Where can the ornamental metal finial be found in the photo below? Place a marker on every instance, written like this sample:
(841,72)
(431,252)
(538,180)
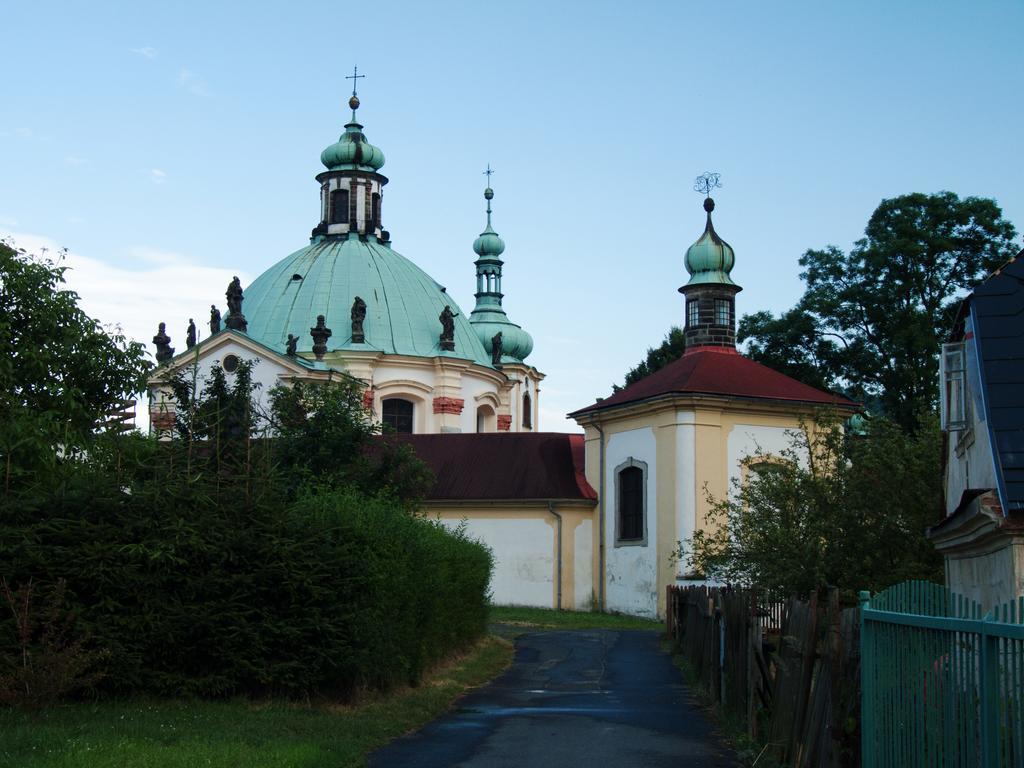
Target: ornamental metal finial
(354,77)
(706,182)
(488,193)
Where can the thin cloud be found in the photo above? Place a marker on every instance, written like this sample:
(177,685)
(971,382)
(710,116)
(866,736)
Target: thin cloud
(146,52)
(158,176)
(8,221)
(74,160)
(192,82)
(76,220)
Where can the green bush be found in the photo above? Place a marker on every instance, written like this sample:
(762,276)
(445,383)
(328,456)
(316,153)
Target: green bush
(197,596)
(226,566)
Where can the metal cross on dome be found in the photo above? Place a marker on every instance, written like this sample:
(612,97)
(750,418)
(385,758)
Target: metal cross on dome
(706,182)
(488,173)
(354,77)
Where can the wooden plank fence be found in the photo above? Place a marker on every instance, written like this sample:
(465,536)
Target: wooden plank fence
(798,694)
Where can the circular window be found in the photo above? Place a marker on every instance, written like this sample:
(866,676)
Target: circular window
(230,363)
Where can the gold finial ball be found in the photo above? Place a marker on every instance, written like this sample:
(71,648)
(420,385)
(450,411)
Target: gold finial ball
(353,103)
(488,194)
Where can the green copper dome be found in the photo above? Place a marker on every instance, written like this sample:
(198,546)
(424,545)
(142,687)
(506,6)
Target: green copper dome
(516,343)
(403,303)
(710,259)
(352,152)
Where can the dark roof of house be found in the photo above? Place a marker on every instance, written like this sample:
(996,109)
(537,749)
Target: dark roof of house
(719,371)
(998,311)
(503,466)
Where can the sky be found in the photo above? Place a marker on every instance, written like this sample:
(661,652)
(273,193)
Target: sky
(170,146)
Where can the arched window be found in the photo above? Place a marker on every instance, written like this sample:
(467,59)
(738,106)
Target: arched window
(396,413)
(339,206)
(527,411)
(631,503)
(485,419)
(375,211)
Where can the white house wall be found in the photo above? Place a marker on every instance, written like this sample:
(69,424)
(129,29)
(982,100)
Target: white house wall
(969,462)
(631,584)
(524,558)
(747,440)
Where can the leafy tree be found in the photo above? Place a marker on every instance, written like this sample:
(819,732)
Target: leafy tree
(324,439)
(871,320)
(670,349)
(833,510)
(61,372)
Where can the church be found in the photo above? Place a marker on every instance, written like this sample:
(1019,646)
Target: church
(575,521)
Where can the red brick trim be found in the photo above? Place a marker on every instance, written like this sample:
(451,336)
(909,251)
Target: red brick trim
(504,423)
(448,405)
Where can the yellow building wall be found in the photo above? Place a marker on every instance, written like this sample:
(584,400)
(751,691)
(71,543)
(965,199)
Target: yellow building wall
(699,445)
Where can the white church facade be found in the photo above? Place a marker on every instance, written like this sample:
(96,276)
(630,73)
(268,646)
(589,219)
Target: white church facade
(575,521)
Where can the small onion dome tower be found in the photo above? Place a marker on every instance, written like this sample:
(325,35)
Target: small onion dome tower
(488,318)
(351,187)
(710,293)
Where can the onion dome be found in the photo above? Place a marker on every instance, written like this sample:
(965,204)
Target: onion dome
(489,318)
(710,259)
(352,152)
(489,243)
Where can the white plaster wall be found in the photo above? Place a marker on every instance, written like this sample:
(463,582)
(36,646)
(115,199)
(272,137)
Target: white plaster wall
(583,569)
(524,558)
(969,461)
(387,372)
(991,579)
(471,387)
(746,440)
(686,482)
(265,372)
(631,573)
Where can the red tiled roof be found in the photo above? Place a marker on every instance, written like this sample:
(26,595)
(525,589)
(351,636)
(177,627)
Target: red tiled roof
(500,466)
(719,371)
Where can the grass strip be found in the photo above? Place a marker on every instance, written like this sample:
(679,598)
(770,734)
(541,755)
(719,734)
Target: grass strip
(239,733)
(546,618)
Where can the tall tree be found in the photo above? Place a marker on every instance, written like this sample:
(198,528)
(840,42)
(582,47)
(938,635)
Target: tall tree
(832,510)
(60,371)
(671,348)
(871,320)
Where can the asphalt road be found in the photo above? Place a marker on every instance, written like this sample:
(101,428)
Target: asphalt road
(598,697)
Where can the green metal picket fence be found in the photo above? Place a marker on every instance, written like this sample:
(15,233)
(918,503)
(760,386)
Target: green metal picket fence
(940,684)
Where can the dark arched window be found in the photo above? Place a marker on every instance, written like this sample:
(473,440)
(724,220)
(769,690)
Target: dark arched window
(397,414)
(527,411)
(375,210)
(629,523)
(339,206)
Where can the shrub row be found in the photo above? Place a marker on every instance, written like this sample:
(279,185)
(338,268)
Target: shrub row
(196,588)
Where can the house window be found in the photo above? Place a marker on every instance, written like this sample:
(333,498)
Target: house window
(527,411)
(631,503)
(723,312)
(952,388)
(339,206)
(692,313)
(397,414)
